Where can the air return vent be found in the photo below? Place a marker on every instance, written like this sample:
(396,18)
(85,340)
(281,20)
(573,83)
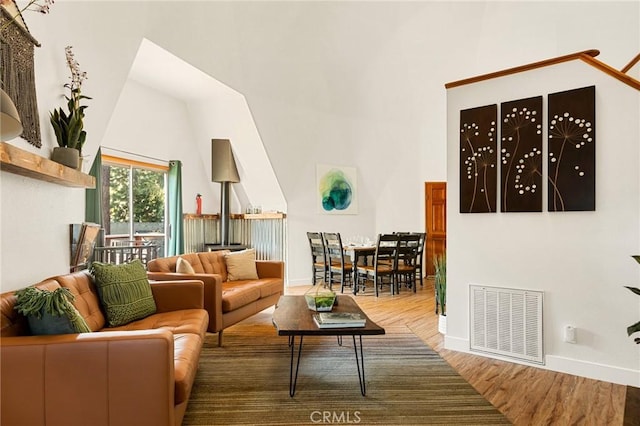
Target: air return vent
(507,322)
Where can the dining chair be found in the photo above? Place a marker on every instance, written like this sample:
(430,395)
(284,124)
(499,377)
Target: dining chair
(420,258)
(340,270)
(318,257)
(385,261)
(408,246)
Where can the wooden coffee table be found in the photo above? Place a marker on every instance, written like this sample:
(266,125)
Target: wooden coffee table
(293,318)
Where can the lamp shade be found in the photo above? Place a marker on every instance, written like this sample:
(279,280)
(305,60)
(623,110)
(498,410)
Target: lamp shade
(10,125)
(223,166)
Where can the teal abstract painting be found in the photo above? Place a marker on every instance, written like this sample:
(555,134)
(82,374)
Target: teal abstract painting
(337,189)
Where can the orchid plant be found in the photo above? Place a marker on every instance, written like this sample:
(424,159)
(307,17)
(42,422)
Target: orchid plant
(68,127)
(33,5)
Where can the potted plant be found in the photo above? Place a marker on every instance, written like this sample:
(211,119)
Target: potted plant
(69,126)
(440,264)
(635,327)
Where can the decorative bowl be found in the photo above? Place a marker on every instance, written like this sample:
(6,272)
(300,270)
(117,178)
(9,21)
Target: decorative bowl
(321,301)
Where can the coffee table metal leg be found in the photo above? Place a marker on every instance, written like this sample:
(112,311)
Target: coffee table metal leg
(360,364)
(292,379)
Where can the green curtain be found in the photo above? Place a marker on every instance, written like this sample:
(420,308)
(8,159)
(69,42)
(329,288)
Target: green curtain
(93,197)
(176,234)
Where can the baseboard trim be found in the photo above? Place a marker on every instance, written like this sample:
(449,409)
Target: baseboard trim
(298,282)
(456,344)
(591,370)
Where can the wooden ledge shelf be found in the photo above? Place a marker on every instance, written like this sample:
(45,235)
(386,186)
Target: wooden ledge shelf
(263,216)
(237,216)
(200,216)
(25,163)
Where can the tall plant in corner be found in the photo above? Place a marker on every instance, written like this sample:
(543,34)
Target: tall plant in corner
(635,327)
(69,126)
(440,264)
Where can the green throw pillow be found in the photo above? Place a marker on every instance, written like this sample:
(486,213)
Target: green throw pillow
(124,291)
(50,312)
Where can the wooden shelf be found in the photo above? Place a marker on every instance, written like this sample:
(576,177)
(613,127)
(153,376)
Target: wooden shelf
(200,216)
(264,216)
(237,216)
(25,163)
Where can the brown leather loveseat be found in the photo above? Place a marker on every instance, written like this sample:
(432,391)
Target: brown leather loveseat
(140,373)
(227,301)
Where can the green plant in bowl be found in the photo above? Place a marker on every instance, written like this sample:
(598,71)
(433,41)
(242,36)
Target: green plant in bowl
(320,300)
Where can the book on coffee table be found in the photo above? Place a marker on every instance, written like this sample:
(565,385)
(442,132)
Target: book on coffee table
(339,319)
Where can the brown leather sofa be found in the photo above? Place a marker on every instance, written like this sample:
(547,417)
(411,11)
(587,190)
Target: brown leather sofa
(228,302)
(140,373)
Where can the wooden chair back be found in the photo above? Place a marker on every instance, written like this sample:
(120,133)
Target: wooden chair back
(319,260)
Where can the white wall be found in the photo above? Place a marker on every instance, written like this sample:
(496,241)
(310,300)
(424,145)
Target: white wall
(580,260)
(214,111)
(161,132)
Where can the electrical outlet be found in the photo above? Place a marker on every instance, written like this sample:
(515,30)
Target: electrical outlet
(570,334)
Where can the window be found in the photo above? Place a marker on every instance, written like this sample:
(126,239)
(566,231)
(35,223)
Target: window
(134,203)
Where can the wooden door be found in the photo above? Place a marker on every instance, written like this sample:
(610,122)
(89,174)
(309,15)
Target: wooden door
(435,196)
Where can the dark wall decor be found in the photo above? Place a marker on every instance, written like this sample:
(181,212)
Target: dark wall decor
(478,158)
(17,72)
(572,150)
(521,155)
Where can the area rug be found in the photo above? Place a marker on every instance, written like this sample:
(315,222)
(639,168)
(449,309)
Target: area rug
(246,382)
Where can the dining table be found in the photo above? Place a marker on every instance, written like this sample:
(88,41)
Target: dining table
(359,255)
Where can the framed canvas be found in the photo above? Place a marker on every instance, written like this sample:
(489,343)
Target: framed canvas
(337,189)
(572,150)
(478,158)
(521,155)
(83,241)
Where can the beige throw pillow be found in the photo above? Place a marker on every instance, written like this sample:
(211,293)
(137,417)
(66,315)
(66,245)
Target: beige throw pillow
(184,267)
(241,265)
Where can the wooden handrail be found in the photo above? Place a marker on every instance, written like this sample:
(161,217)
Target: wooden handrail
(522,68)
(587,56)
(627,79)
(630,64)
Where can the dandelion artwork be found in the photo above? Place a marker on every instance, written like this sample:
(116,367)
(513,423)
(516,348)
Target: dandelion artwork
(478,158)
(521,155)
(572,150)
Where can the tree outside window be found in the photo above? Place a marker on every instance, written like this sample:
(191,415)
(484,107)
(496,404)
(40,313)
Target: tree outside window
(134,205)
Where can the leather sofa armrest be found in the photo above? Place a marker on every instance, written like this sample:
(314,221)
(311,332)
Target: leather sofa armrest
(178,295)
(212,293)
(270,268)
(129,376)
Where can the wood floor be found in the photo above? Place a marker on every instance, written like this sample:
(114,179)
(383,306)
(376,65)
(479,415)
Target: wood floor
(525,395)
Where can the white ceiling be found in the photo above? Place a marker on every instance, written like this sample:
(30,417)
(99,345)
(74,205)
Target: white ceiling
(160,70)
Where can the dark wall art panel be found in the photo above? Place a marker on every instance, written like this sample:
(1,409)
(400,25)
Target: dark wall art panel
(478,158)
(572,150)
(521,155)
